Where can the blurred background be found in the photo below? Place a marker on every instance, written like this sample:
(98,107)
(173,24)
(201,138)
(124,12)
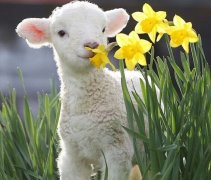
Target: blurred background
(38,66)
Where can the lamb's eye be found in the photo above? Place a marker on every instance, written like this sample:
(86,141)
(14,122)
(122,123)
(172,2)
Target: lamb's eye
(61,33)
(103,30)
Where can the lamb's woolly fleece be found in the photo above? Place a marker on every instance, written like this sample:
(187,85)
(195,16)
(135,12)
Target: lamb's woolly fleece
(92,113)
(92,109)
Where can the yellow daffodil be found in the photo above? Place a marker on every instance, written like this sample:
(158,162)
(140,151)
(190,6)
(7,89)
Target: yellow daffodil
(132,49)
(150,22)
(182,33)
(100,59)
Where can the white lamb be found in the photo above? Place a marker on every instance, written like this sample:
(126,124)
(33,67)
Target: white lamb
(92,109)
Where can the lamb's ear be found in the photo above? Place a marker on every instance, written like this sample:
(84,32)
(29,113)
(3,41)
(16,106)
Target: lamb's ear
(36,31)
(116,20)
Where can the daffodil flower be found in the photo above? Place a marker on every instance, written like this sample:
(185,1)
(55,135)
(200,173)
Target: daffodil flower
(100,59)
(150,22)
(182,33)
(132,49)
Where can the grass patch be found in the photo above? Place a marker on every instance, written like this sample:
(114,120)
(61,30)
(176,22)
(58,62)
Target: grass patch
(28,144)
(178,143)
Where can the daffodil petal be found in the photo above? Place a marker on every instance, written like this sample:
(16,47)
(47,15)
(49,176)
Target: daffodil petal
(160,35)
(130,64)
(161,15)
(188,25)
(146,45)
(133,35)
(88,48)
(185,46)
(122,39)
(139,16)
(101,47)
(138,29)
(162,28)
(152,35)
(119,54)
(147,9)
(178,21)
(170,30)
(96,50)
(141,59)
(193,37)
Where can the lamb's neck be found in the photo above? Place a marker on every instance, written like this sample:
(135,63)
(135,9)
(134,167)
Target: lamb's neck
(85,93)
(83,81)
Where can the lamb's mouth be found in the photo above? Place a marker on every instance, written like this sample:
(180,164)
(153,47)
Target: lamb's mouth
(88,55)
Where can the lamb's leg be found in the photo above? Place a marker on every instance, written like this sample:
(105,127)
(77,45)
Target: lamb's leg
(119,164)
(73,168)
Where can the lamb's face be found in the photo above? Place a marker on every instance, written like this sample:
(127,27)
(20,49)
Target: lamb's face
(71,28)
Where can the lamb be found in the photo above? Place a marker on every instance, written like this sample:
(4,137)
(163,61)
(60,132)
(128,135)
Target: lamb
(93,110)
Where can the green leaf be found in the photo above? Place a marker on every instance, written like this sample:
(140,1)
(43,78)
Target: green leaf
(137,135)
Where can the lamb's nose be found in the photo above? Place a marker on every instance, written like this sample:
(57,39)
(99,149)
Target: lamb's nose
(91,45)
